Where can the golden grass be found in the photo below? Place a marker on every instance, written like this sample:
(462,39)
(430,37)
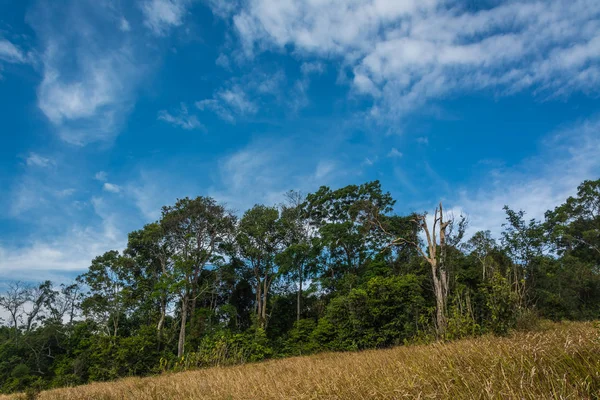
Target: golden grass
(560,362)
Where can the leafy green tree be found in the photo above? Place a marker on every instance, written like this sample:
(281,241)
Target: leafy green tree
(259,240)
(523,241)
(575,225)
(340,217)
(195,229)
(153,258)
(108,297)
(302,246)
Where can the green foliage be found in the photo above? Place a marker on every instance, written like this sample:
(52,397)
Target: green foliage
(224,348)
(300,339)
(384,312)
(501,303)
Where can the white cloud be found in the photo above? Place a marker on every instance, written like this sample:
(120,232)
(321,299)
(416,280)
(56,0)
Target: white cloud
(90,70)
(36,160)
(111,187)
(223,8)
(312,68)
(237,100)
(181,118)
(11,53)
(222,61)
(539,183)
(124,25)
(101,176)
(229,104)
(406,53)
(60,257)
(161,15)
(394,153)
(265,170)
(37,195)
(367,161)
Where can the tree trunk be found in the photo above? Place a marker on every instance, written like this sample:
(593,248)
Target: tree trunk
(181,343)
(161,321)
(258,302)
(440,303)
(263,317)
(15,327)
(299,300)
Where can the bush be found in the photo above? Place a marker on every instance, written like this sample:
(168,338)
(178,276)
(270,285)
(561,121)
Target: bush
(383,313)
(299,340)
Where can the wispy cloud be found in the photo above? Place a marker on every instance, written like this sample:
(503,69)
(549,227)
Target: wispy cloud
(162,15)
(405,53)
(61,257)
(229,103)
(111,187)
(394,153)
(539,183)
(38,196)
(265,170)
(89,75)
(11,53)
(101,176)
(312,68)
(181,118)
(36,160)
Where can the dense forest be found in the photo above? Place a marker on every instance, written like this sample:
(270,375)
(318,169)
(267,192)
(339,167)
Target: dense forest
(334,270)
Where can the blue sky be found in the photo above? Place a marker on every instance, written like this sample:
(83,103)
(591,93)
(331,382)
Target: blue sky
(111,109)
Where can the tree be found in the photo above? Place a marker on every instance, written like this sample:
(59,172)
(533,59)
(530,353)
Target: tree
(17,294)
(195,230)
(152,253)
(66,303)
(108,291)
(339,217)
(259,240)
(302,247)
(439,238)
(481,245)
(523,241)
(41,298)
(575,225)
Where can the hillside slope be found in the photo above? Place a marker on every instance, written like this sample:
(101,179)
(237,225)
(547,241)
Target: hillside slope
(560,361)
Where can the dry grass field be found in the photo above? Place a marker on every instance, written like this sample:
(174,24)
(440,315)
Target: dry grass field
(561,361)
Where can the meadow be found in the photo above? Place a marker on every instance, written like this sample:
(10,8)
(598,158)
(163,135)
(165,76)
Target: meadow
(557,361)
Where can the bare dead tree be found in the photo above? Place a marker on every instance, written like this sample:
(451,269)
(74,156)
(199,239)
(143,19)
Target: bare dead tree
(438,238)
(13,301)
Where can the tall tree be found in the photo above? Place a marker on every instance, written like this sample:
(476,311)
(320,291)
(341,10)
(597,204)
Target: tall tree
(575,225)
(15,297)
(338,215)
(195,229)
(152,253)
(41,298)
(523,241)
(481,245)
(302,246)
(259,240)
(443,233)
(108,296)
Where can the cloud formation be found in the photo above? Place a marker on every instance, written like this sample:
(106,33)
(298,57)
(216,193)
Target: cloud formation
(405,53)
(90,70)
(36,160)
(181,118)
(162,15)
(11,53)
(539,183)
